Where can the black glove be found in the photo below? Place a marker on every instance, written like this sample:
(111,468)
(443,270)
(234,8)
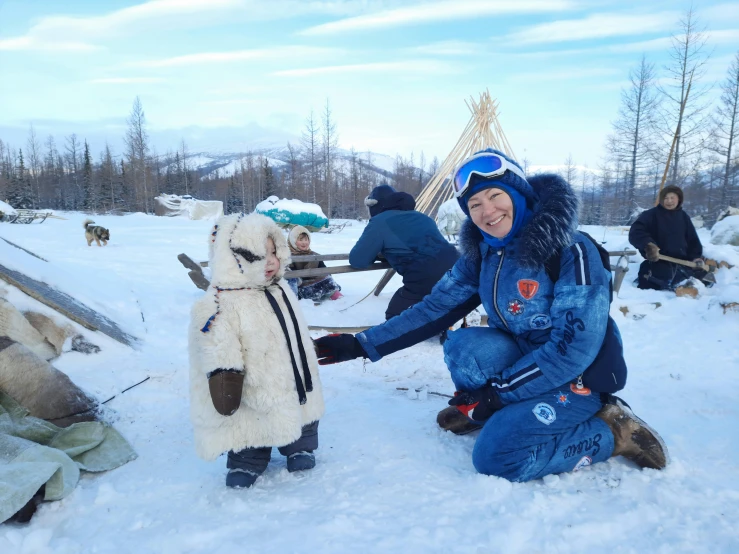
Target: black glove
(336,348)
(479,404)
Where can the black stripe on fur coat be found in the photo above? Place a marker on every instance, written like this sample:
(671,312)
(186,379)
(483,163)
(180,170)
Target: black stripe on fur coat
(549,230)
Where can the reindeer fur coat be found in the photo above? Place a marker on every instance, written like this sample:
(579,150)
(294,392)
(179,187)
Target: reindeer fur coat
(234,326)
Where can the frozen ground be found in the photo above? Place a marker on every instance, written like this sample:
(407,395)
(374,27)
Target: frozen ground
(387,479)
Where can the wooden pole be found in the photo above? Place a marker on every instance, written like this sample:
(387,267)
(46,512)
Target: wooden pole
(674,139)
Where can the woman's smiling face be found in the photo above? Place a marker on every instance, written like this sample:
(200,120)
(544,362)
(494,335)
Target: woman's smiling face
(492,211)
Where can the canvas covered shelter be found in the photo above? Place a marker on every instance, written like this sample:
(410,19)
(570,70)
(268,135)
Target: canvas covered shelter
(172,205)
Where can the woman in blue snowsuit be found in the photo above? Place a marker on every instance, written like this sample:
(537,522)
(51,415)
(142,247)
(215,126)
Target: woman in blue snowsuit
(537,380)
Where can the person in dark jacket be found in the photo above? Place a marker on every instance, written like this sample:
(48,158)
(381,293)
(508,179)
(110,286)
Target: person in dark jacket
(666,229)
(409,241)
(538,381)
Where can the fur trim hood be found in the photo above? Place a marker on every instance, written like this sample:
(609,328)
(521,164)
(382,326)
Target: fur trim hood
(294,234)
(238,251)
(549,230)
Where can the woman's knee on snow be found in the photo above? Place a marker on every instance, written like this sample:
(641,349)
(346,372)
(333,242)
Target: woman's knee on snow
(475,354)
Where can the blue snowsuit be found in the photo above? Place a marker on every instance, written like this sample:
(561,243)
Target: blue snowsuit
(409,241)
(543,337)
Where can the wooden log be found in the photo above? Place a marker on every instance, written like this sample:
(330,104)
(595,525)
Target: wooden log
(320,257)
(384,281)
(322,271)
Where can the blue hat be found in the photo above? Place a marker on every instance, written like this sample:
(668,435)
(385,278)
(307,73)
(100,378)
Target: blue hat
(509,178)
(522,196)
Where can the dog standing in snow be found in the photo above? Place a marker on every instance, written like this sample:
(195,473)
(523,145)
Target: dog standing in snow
(254,380)
(96,233)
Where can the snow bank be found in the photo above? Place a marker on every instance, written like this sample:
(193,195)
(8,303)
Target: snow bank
(726,231)
(6,209)
(387,478)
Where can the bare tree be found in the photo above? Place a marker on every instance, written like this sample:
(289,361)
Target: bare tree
(726,125)
(33,150)
(633,131)
(183,149)
(684,117)
(330,142)
(137,142)
(72,147)
(310,144)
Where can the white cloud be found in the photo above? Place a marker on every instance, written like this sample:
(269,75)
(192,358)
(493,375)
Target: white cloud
(290,52)
(449,48)
(656,44)
(34,44)
(60,32)
(406,67)
(724,36)
(81,33)
(430,12)
(593,27)
(126,80)
(564,74)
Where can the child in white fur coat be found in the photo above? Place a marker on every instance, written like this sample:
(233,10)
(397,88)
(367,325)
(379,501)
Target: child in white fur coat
(254,380)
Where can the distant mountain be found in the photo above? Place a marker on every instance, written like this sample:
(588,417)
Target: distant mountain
(224,164)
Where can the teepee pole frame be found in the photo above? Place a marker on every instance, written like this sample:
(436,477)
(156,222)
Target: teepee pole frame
(483,130)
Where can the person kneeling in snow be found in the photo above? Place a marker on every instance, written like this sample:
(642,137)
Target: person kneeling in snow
(538,381)
(311,288)
(254,380)
(667,229)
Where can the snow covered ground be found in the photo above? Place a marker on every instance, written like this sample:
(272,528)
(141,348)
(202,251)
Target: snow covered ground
(387,479)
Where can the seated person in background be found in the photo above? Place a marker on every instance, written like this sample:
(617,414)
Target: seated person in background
(312,288)
(409,241)
(666,229)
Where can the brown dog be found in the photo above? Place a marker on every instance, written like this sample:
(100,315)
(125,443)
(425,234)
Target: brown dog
(96,233)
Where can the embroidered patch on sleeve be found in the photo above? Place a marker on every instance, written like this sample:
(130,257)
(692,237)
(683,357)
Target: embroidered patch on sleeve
(515,307)
(528,288)
(545,413)
(562,398)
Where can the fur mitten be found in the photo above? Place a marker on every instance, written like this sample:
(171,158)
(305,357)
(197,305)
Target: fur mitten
(652,252)
(225,390)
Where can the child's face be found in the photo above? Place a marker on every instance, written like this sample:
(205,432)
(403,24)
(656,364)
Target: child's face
(273,262)
(303,242)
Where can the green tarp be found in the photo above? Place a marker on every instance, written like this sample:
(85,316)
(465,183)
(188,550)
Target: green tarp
(34,452)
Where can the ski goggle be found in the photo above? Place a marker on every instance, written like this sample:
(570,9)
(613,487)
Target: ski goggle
(484,164)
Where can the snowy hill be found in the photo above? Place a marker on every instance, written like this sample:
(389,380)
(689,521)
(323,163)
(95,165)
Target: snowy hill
(224,164)
(387,479)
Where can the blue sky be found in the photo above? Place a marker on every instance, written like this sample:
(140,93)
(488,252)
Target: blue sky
(219,72)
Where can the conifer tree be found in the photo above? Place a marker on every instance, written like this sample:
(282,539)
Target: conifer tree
(89,202)
(20,194)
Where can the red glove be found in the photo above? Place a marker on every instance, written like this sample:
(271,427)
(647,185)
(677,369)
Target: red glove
(478,405)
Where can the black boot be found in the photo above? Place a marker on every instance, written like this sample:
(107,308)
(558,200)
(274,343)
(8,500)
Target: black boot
(633,438)
(240,478)
(300,461)
(451,419)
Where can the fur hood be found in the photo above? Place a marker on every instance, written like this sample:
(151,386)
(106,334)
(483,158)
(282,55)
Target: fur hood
(238,251)
(294,234)
(549,230)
